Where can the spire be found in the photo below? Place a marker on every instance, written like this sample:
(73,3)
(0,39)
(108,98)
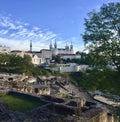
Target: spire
(50,46)
(67,47)
(55,45)
(71,46)
(30,45)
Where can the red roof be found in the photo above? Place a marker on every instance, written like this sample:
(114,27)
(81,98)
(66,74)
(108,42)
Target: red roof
(16,51)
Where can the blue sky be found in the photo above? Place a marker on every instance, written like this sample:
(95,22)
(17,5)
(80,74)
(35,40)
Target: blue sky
(44,21)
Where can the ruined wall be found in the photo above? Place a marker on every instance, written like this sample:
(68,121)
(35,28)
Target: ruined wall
(25,95)
(100,117)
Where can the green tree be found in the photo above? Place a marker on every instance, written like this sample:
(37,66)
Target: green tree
(16,61)
(57,58)
(102,35)
(4,58)
(78,52)
(28,67)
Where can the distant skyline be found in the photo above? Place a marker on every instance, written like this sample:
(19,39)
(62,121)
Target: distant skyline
(44,21)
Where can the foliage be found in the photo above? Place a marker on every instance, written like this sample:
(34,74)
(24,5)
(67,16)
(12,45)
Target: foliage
(85,59)
(4,59)
(57,58)
(104,80)
(16,64)
(102,35)
(98,80)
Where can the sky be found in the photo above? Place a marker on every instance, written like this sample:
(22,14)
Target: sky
(44,21)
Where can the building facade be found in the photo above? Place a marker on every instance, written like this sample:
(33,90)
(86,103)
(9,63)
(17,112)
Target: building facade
(55,50)
(69,67)
(70,56)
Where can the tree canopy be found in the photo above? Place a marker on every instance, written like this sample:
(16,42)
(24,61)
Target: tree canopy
(15,63)
(102,34)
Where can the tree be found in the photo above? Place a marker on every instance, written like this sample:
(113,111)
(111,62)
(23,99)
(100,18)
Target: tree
(57,58)
(78,53)
(4,58)
(16,61)
(28,67)
(102,35)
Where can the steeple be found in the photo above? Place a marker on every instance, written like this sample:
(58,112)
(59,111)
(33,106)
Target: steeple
(30,46)
(50,46)
(67,47)
(55,45)
(71,46)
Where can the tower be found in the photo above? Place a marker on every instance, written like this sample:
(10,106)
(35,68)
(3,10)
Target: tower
(30,46)
(71,46)
(50,46)
(67,47)
(55,45)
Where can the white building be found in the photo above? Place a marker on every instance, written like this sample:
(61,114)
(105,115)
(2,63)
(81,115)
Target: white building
(4,49)
(45,54)
(70,67)
(70,56)
(36,60)
(56,51)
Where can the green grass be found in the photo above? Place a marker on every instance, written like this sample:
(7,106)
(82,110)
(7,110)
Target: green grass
(20,103)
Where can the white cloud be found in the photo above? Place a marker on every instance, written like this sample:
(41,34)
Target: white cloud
(22,45)
(17,35)
(3,31)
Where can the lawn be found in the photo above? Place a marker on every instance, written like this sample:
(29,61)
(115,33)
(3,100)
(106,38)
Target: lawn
(20,103)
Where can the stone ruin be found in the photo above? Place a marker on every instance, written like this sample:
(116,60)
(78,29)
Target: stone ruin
(65,102)
(16,84)
(57,110)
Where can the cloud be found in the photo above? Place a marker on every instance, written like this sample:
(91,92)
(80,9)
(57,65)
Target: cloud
(22,45)
(16,34)
(3,32)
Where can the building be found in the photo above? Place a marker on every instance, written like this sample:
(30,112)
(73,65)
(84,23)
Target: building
(70,56)
(18,53)
(46,54)
(69,67)
(36,60)
(4,49)
(55,50)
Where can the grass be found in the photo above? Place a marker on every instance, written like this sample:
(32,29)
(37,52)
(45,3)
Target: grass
(20,103)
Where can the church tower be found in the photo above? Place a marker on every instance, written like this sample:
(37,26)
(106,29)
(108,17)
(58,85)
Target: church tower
(67,47)
(30,46)
(71,48)
(55,45)
(50,46)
